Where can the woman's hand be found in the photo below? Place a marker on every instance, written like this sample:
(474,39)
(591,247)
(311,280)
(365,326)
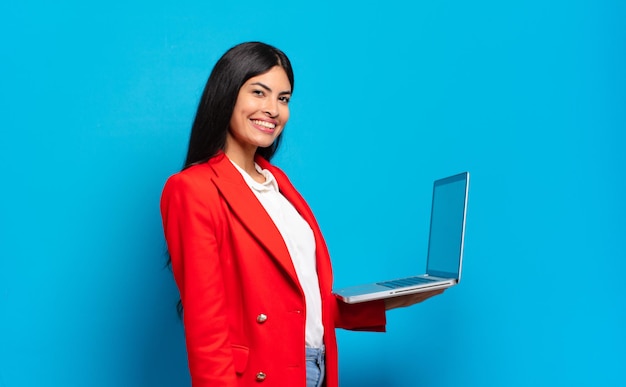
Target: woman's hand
(410,299)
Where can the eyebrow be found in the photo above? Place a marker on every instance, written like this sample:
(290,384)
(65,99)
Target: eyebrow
(270,90)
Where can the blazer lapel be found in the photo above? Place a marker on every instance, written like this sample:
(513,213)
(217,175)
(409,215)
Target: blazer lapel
(324,269)
(247,208)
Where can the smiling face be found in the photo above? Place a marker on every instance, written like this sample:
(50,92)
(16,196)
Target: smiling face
(260,114)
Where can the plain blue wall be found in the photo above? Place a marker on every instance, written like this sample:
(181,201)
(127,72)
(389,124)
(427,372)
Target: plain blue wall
(530,97)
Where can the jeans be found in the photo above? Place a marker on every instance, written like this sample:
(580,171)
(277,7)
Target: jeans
(315,367)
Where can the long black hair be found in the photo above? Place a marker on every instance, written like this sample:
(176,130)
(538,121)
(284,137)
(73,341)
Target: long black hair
(232,70)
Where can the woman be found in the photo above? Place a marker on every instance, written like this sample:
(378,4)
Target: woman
(248,257)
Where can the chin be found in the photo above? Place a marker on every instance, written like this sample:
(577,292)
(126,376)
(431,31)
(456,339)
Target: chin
(266,143)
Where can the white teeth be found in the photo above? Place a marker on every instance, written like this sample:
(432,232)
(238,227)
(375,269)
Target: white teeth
(264,123)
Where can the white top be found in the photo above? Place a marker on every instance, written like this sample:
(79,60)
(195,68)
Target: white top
(298,237)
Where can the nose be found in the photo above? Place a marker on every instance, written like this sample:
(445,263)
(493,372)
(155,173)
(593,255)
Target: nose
(271,108)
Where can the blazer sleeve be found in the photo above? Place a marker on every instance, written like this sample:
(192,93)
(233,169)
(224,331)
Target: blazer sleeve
(366,316)
(189,228)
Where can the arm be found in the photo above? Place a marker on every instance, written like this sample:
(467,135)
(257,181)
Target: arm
(190,234)
(411,299)
(366,316)
(370,316)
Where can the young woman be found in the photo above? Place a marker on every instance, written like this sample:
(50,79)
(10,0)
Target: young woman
(248,257)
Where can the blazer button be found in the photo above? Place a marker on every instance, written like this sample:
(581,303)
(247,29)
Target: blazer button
(261,318)
(260,376)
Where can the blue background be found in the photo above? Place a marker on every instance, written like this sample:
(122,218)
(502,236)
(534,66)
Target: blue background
(529,96)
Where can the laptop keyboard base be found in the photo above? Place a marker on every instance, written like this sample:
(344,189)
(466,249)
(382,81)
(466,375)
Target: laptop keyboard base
(400,283)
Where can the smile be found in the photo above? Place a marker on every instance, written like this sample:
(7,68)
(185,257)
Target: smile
(264,124)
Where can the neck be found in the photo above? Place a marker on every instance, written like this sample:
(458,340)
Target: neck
(243,157)
(245,161)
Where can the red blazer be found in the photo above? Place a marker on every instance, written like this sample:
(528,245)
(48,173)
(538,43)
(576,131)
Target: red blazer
(244,309)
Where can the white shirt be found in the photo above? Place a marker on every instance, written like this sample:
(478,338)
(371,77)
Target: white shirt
(298,237)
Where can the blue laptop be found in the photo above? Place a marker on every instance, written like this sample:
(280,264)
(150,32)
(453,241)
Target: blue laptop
(445,247)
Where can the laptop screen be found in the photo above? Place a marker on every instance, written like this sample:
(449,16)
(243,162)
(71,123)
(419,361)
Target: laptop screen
(447,224)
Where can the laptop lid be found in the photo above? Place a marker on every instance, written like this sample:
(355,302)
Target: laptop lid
(445,247)
(447,226)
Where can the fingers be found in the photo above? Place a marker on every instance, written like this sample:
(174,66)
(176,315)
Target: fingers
(410,299)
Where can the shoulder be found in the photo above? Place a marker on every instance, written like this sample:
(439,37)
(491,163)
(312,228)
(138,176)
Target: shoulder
(194,178)
(191,194)
(195,184)
(200,176)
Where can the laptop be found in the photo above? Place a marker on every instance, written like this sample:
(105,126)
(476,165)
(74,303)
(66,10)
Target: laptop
(445,247)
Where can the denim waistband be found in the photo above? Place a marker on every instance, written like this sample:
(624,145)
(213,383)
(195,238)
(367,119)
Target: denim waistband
(316,354)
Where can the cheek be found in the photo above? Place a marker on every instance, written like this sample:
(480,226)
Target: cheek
(241,112)
(244,106)
(285,114)
(238,122)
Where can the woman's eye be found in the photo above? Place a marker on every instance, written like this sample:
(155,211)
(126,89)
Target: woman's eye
(258,92)
(284,99)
